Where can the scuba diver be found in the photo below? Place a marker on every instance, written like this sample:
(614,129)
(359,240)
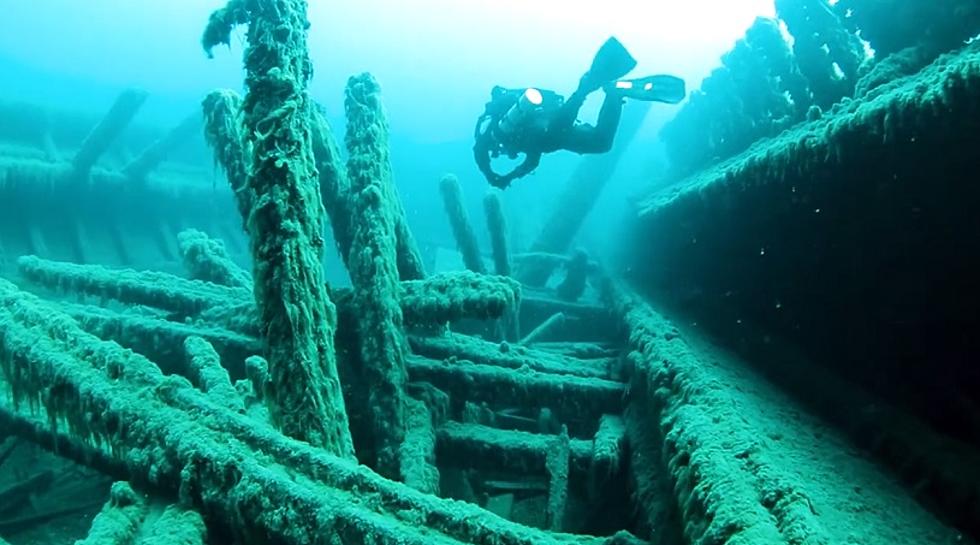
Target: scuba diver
(535,121)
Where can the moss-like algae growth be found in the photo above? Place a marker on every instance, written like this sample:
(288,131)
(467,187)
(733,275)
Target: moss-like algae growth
(204,366)
(165,291)
(464,347)
(447,297)
(746,464)
(441,298)
(120,519)
(176,526)
(608,452)
(889,113)
(286,220)
(163,340)
(484,447)
(569,397)
(254,480)
(556,462)
(459,221)
(497,225)
(828,53)
(223,132)
(418,451)
(374,271)
(206,259)
(334,185)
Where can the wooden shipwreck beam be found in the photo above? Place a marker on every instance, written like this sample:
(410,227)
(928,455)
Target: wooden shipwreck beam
(224,464)
(850,236)
(373,266)
(438,299)
(718,432)
(151,157)
(105,133)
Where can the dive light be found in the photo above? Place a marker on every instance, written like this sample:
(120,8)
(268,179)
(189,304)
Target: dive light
(529,101)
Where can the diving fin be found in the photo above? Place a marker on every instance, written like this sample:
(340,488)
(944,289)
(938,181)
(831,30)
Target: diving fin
(612,62)
(659,88)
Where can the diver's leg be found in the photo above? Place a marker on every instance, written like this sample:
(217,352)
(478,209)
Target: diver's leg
(581,139)
(565,117)
(611,62)
(597,139)
(608,122)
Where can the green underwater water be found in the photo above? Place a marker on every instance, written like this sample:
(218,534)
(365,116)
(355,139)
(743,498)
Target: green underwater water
(264,300)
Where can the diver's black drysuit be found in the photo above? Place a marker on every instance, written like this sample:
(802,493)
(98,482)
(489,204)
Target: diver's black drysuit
(535,122)
(554,128)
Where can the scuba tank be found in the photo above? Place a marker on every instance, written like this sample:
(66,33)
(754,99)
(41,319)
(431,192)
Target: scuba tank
(508,116)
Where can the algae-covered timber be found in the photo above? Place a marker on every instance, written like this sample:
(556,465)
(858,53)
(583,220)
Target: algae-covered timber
(438,299)
(464,347)
(874,205)
(447,297)
(807,485)
(204,368)
(103,134)
(569,397)
(206,259)
(497,226)
(418,451)
(483,447)
(61,214)
(165,291)
(896,113)
(373,265)
(459,221)
(161,339)
(334,185)
(286,220)
(545,328)
(154,154)
(120,519)
(222,463)
(223,133)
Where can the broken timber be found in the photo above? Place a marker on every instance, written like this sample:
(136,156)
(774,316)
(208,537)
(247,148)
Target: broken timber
(681,393)
(224,464)
(439,298)
(102,136)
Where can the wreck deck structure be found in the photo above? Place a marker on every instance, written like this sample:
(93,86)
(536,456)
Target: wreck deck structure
(177,365)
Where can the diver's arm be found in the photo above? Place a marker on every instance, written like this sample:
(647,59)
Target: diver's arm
(482,155)
(530,163)
(482,149)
